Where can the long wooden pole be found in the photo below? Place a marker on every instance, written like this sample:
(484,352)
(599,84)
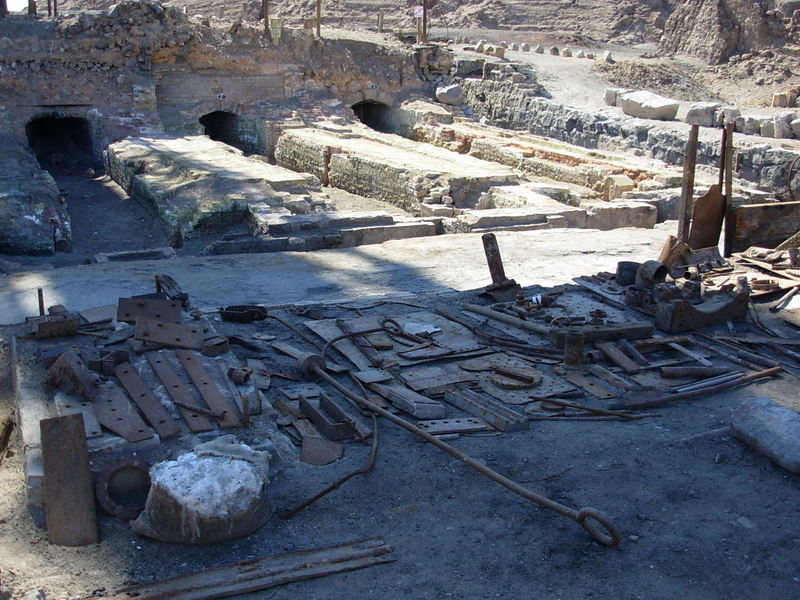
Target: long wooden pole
(319,18)
(3,8)
(730,226)
(424,21)
(687,189)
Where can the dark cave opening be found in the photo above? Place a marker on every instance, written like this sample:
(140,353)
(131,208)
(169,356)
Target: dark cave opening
(375,115)
(61,143)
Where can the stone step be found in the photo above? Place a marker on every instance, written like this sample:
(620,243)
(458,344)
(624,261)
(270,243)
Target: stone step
(284,224)
(514,217)
(328,238)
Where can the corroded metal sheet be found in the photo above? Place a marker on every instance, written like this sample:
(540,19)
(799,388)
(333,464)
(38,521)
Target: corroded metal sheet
(193,364)
(178,392)
(130,310)
(169,334)
(116,413)
(143,397)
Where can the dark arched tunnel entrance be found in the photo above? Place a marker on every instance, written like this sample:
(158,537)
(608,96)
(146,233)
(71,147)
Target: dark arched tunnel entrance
(375,115)
(229,128)
(61,143)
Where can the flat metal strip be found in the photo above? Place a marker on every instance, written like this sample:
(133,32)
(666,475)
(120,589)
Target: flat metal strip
(116,413)
(178,391)
(145,399)
(193,364)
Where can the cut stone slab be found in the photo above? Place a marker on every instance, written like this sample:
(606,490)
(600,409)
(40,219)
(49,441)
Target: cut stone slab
(770,428)
(647,105)
(616,185)
(620,213)
(515,217)
(194,181)
(702,113)
(385,166)
(33,220)
(611,95)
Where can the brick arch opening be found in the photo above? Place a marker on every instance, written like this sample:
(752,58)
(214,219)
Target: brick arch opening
(60,142)
(375,115)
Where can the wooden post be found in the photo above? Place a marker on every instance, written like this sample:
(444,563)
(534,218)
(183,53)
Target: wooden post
(55,8)
(49,8)
(424,21)
(319,18)
(687,189)
(265,10)
(380,21)
(31,8)
(730,225)
(3,8)
(419,30)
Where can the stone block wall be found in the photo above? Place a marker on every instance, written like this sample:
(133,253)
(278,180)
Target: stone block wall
(511,106)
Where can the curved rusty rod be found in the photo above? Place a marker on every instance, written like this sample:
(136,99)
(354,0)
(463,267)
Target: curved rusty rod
(313,364)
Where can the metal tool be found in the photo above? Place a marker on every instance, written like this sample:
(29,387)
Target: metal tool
(314,364)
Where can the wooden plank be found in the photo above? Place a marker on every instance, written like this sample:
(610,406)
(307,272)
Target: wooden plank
(116,413)
(67,406)
(145,399)
(68,489)
(765,225)
(169,334)
(131,310)
(178,391)
(193,364)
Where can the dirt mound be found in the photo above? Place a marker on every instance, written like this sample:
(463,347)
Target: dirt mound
(657,76)
(713,30)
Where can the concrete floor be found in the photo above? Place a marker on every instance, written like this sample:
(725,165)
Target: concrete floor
(439,263)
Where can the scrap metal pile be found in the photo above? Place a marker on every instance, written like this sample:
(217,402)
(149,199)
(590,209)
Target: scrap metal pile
(151,369)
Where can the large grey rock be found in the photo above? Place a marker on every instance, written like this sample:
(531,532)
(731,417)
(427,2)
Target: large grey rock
(538,49)
(611,95)
(783,128)
(450,94)
(607,58)
(702,113)
(748,124)
(726,114)
(647,105)
(567,51)
(767,128)
(216,493)
(770,428)
(795,125)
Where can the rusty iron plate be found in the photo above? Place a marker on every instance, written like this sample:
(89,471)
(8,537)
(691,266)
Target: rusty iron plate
(116,413)
(169,334)
(68,491)
(193,364)
(178,391)
(130,310)
(143,397)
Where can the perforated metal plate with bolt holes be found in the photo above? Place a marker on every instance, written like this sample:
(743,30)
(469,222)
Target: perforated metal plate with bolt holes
(443,426)
(143,397)
(178,392)
(193,364)
(169,334)
(116,413)
(131,310)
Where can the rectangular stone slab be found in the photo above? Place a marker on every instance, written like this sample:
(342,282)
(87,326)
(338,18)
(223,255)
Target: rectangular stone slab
(68,489)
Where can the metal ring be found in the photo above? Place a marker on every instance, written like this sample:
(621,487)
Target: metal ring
(103,492)
(612,538)
(392,327)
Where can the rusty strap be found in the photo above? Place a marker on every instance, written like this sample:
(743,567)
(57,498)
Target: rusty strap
(115,412)
(143,397)
(178,392)
(192,362)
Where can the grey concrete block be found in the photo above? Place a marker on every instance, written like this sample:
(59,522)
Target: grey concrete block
(770,428)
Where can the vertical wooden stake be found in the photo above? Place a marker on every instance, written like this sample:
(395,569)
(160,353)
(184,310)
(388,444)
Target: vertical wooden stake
(687,189)
(31,8)
(319,18)
(424,21)
(40,295)
(55,8)
(265,10)
(730,226)
(3,8)
(380,21)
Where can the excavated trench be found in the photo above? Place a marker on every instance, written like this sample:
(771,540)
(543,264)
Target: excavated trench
(61,143)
